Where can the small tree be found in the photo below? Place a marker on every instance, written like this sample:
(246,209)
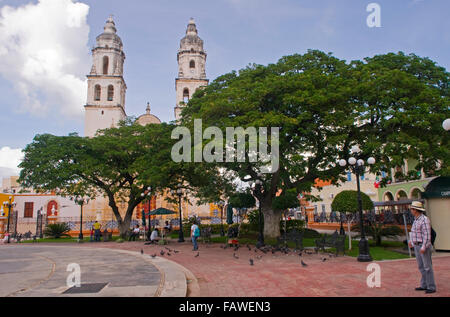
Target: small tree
(242,201)
(347,202)
(57,230)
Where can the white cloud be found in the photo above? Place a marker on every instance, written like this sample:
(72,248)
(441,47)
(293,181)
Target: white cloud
(9,159)
(44,53)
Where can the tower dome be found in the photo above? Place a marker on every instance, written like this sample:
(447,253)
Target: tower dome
(191,40)
(109,37)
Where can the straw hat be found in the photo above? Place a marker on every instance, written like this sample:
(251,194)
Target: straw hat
(417,205)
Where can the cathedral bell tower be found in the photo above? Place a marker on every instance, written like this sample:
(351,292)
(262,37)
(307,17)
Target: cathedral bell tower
(105,106)
(191,67)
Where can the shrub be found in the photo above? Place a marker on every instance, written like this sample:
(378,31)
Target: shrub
(298,225)
(378,230)
(57,230)
(120,240)
(311,233)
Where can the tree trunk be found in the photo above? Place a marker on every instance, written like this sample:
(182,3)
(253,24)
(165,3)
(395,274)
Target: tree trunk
(378,241)
(124,226)
(271,222)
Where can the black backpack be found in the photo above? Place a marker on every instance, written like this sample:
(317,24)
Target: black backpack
(433,236)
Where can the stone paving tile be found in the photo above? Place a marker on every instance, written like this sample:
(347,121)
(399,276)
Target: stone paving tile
(220,274)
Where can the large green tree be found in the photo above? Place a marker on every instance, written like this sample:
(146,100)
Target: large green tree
(391,105)
(119,163)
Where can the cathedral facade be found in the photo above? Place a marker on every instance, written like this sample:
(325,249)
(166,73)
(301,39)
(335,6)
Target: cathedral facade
(105,105)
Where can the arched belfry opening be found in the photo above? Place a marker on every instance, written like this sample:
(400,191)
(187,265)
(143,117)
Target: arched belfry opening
(192,64)
(110,93)
(105,65)
(97,93)
(186,95)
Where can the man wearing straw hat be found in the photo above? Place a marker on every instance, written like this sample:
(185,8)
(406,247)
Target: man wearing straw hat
(421,242)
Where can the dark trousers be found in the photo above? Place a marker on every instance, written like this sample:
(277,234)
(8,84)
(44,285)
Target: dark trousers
(133,236)
(97,234)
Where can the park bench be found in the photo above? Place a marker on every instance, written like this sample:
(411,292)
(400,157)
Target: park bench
(291,236)
(205,234)
(233,233)
(335,241)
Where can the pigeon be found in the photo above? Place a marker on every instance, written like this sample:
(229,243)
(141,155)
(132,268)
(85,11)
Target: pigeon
(142,251)
(162,252)
(300,253)
(175,251)
(234,255)
(154,255)
(169,254)
(256,250)
(259,257)
(251,262)
(304,264)
(198,254)
(168,249)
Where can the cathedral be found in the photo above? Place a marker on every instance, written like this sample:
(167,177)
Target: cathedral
(105,106)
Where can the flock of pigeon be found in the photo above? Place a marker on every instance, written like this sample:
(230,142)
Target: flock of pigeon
(264,250)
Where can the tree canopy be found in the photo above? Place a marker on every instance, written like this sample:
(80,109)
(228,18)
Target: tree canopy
(119,163)
(391,105)
(347,202)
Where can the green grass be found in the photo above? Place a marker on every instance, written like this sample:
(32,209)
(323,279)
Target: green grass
(62,240)
(383,252)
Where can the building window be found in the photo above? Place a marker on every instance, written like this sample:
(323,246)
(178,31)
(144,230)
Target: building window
(28,210)
(98,92)
(192,64)
(110,93)
(186,95)
(105,65)
(349,176)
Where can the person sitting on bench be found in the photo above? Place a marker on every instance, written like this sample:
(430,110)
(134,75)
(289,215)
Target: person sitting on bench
(154,236)
(135,233)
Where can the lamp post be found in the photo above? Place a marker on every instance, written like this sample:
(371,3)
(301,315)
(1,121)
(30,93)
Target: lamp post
(357,167)
(221,204)
(258,188)
(80,200)
(39,223)
(179,193)
(446,125)
(9,204)
(149,195)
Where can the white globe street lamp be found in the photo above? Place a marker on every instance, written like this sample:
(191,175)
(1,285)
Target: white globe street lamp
(357,167)
(446,125)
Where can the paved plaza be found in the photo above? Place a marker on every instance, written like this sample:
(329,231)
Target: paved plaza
(40,270)
(35,270)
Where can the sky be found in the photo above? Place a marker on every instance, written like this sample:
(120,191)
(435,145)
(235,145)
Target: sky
(45,49)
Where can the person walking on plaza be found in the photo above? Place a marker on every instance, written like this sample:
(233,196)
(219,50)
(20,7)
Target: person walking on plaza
(421,242)
(195,233)
(97,228)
